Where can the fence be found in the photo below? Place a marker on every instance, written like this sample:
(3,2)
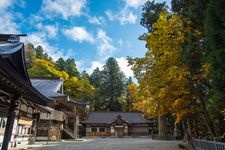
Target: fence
(208,145)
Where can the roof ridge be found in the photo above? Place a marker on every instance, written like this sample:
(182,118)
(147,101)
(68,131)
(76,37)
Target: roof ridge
(113,112)
(47,78)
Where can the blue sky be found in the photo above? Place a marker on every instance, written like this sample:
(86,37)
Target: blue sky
(89,31)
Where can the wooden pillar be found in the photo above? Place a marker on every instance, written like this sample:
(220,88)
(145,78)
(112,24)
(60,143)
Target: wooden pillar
(75,127)
(9,124)
(76,124)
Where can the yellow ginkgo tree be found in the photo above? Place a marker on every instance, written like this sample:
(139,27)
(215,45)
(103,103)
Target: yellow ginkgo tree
(45,68)
(161,73)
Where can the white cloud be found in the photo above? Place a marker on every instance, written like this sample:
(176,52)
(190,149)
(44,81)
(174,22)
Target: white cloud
(82,65)
(7,24)
(120,42)
(34,19)
(64,8)
(40,39)
(122,62)
(79,34)
(96,20)
(104,44)
(7,19)
(124,16)
(5,4)
(110,15)
(94,65)
(127,17)
(49,30)
(134,3)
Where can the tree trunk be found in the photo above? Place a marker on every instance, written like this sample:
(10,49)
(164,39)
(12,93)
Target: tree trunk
(162,125)
(190,126)
(207,119)
(176,131)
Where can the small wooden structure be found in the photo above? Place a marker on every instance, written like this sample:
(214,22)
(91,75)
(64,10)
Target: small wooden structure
(15,88)
(117,124)
(63,120)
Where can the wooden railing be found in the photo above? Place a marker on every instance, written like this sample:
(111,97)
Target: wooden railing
(69,132)
(208,145)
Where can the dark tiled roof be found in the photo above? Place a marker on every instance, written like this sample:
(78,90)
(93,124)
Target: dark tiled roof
(48,86)
(109,117)
(13,70)
(78,102)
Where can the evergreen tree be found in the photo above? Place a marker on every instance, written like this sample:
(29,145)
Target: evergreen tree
(150,14)
(85,75)
(113,83)
(39,52)
(96,80)
(193,55)
(61,64)
(215,42)
(71,67)
(46,57)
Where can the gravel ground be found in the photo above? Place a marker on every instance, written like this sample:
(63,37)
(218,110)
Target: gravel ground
(112,144)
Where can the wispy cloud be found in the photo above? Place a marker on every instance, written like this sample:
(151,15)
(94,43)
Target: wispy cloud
(79,34)
(124,43)
(4,4)
(110,15)
(127,17)
(64,8)
(134,3)
(7,22)
(39,38)
(96,20)
(51,31)
(104,44)
(124,16)
(94,65)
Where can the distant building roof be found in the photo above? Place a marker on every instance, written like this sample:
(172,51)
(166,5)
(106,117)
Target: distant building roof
(48,86)
(78,102)
(109,117)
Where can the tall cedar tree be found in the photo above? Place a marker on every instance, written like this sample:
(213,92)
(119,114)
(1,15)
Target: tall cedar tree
(61,64)
(113,83)
(215,42)
(193,56)
(96,80)
(150,14)
(71,67)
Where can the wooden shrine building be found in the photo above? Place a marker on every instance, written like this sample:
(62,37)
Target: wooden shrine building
(117,124)
(65,112)
(18,99)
